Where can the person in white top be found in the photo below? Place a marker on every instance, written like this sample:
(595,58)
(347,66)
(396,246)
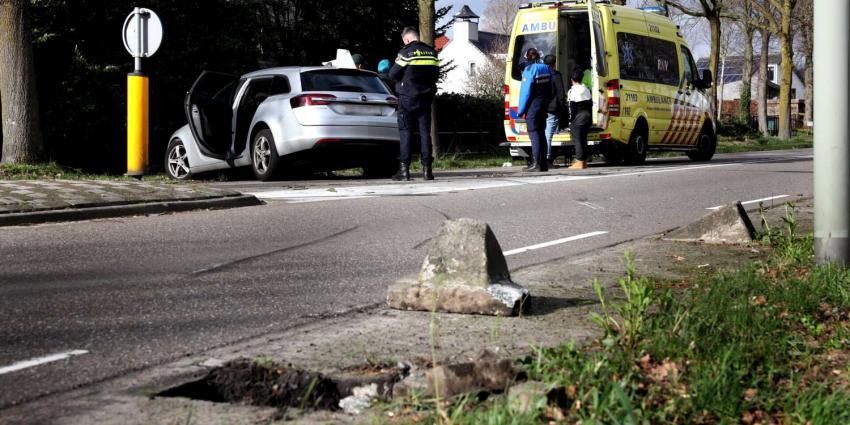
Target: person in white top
(581,107)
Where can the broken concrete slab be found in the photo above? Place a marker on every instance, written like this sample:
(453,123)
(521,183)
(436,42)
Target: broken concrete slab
(487,372)
(727,225)
(464,272)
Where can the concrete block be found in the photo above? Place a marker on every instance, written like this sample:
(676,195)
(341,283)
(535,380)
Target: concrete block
(464,272)
(727,225)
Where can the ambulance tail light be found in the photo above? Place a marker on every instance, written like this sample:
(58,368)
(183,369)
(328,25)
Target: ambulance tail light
(613,88)
(507,102)
(315,99)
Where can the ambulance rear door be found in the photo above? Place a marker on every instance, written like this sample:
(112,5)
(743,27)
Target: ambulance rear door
(598,63)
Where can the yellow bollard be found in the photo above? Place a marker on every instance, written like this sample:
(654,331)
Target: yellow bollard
(137,124)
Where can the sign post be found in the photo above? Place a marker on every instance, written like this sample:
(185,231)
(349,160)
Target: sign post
(832,132)
(142,37)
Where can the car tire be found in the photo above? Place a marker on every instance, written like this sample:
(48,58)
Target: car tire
(177,161)
(264,158)
(706,145)
(638,145)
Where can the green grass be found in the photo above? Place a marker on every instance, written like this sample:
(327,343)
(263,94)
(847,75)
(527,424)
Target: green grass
(54,171)
(770,342)
(729,145)
(466,161)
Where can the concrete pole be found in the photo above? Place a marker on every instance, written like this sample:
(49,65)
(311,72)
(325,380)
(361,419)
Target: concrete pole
(832,131)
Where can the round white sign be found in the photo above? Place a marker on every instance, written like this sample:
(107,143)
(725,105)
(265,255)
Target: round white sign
(142,33)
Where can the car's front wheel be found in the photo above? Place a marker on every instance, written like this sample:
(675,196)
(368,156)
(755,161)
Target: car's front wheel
(264,158)
(177,161)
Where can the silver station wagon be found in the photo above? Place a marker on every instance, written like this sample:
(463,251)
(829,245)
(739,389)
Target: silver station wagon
(287,120)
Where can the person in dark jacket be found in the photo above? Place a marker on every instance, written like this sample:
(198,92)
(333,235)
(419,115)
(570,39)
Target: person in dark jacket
(553,113)
(416,71)
(534,95)
(384,74)
(581,108)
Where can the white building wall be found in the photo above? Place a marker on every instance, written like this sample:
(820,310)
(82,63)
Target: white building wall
(463,53)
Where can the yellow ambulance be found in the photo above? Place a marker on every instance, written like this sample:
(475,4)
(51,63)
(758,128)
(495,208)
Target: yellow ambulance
(646,91)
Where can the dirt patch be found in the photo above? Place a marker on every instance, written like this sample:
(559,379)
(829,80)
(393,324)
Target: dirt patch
(261,384)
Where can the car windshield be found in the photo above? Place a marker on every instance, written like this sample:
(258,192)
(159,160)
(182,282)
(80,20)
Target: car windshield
(345,80)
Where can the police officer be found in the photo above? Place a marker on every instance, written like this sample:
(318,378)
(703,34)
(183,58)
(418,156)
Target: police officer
(416,70)
(534,96)
(581,107)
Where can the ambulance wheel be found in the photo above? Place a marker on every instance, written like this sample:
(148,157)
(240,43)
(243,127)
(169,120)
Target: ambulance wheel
(638,144)
(706,145)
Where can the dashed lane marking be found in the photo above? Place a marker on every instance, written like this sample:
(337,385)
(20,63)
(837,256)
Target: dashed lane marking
(553,243)
(754,201)
(40,361)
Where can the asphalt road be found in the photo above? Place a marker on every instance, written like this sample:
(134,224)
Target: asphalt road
(140,291)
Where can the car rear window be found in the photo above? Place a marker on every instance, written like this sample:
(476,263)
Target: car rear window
(342,80)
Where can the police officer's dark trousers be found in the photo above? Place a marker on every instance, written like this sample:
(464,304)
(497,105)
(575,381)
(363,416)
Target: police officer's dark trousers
(578,131)
(414,113)
(535,121)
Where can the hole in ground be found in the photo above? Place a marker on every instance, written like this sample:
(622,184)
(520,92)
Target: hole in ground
(265,383)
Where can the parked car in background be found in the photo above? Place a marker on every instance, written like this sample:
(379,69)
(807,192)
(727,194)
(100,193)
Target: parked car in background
(290,119)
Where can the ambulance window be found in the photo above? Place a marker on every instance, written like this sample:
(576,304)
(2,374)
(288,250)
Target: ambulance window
(601,63)
(648,59)
(690,69)
(544,42)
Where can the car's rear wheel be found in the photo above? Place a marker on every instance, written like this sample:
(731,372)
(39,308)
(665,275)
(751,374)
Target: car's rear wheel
(638,144)
(264,158)
(706,145)
(177,161)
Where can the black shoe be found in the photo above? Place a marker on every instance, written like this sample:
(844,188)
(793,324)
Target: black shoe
(534,166)
(403,172)
(544,165)
(429,173)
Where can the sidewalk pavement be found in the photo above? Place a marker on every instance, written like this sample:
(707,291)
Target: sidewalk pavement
(40,201)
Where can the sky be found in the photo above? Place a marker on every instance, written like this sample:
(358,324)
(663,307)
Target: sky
(699,47)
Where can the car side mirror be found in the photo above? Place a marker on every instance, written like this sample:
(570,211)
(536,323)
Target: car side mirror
(707,78)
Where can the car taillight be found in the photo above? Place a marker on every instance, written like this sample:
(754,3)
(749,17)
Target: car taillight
(315,99)
(613,87)
(393,101)
(507,102)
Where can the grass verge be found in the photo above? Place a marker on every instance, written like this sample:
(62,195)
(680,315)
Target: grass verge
(769,343)
(733,145)
(54,171)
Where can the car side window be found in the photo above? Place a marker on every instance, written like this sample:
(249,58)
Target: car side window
(280,85)
(647,59)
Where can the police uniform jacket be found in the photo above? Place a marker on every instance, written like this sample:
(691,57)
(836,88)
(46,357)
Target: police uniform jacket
(536,81)
(417,70)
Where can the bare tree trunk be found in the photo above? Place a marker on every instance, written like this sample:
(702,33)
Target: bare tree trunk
(762,82)
(426,35)
(722,86)
(808,50)
(787,65)
(746,89)
(714,57)
(22,141)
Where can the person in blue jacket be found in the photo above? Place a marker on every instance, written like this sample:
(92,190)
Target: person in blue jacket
(534,97)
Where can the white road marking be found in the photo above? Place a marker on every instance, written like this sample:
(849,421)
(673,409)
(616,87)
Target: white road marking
(754,201)
(590,205)
(446,185)
(40,361)
(552,243)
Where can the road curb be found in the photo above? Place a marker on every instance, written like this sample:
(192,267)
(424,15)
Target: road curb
(89,213)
